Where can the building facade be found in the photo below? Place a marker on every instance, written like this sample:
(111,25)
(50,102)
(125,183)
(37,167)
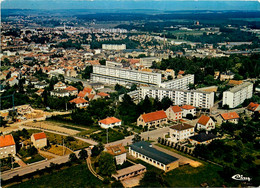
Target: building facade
(238,94)
(154,119)
(109,122)
(39,140)
(113,46)
(181,132)
(119,153)
(200,99)
(7,146)
(179,83)
(144,151)
(174,113)
(205,122)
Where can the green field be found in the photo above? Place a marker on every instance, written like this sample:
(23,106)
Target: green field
(75,176)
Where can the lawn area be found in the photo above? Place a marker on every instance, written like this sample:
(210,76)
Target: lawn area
(33,159)
(6,164)
(75,176)
(187,176)
(112,136)
(58,150)
(72,144)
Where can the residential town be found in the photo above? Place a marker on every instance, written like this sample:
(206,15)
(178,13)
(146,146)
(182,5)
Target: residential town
(126,107)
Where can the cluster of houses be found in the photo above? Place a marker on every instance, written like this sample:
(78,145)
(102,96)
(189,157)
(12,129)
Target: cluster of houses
(8,145)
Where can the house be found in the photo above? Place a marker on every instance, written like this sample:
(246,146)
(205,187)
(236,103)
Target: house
(7,146)
(103,95)
(39,92)
(119,153)
(41,85)
(206,123)
(97,85)
(202,138)
(226,76)
(174,113)
(231,117)
(157,118)
(72,90)
(60,93)
(109,122)
(86,92)
(129,172)
(188,109)
(59,86)
(79,102)
(12,81)
(253,107)
(39,140)
(181,132)
(145,151)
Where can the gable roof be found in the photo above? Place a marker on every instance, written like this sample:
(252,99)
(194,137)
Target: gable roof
(6,140)
(38,136)
(153,116)
(109,120)
(252,106)
(78,101)
(181,126)
(187,107)
(230,115)
(103,94)
(82,94)
(116,149)
(87,90)
(203,120)
(71,88)
(176,109)
(146,149)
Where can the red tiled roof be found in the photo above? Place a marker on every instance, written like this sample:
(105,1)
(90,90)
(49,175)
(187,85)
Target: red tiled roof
(153,116)
(91,96)
(230,115)
(6,140)
(203,120)
(109,120)
(176,109)
(102,94)
(181,72)
(187,107)
(87,89)
(78,101)
(252,106)
(38,136)
(116,149)
(235,82)
(82,94)
(71,88)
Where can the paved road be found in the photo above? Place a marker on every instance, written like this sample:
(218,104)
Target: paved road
(33,167)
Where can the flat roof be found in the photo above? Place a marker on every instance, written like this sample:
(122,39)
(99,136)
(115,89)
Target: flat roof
(129,170)
(239,87)
(146,149)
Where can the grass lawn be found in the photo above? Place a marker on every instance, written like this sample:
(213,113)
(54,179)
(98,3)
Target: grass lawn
(75,176)
(33,159)
(58,150)
(7,165)
(112,136)
(187,176)
(58,139)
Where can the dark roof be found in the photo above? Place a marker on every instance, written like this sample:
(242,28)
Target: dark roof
(181,126)
(146,149)
(202,137)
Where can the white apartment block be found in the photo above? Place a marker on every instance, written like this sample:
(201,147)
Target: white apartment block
(113,46)
(195,98)
(179,83)
(114,75)
(236,95)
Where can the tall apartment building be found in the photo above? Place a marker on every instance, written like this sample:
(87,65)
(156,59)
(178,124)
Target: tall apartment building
(179,83)
(113,46)
(237,95)
(114,75)
(195,98)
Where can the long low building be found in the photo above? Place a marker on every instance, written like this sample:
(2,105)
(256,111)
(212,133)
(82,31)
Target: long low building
(144,151)
(238,94)
(200,99)
(129,172)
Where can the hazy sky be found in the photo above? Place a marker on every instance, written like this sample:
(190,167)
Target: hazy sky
(134,4)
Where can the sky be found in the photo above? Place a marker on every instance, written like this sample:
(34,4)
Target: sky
(134,4)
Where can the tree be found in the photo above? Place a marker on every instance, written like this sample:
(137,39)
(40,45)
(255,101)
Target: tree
(83,154)
(137,138)
(73,157)
(96,150)
(169,77)
(2,122)
(106,164)
(153,179)
(166,103)
(189,116)
(117,184)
